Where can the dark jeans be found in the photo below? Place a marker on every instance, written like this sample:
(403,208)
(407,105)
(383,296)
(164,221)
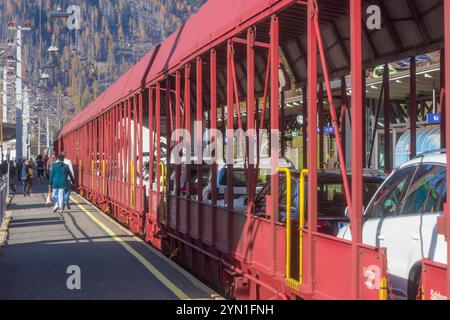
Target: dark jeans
(27,184)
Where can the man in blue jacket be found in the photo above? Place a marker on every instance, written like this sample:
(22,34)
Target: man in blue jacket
(59,182)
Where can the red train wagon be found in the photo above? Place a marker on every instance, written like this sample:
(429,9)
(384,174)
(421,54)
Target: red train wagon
(225,60)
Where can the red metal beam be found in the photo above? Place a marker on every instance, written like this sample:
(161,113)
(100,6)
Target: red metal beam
(275,127)
(357,139)
(151,168)
(283,123)
(255,43)
(141,139)
(213,74)
(187,114)
(230,126)
(236,90)
(312,140)
(177,128)
(199,137)
(266,92)
(305,127)
(364,117)
(333,111)
(343,121)
(158,138)
(135,167)
(128,154)
(443,100)
(321,125)
(251,187)
(447,116)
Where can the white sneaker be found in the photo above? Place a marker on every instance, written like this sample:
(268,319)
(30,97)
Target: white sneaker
(55,208)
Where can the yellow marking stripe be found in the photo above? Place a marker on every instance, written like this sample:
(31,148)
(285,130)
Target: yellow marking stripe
(163,279)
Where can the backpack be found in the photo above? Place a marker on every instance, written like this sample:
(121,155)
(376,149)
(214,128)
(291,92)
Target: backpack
(40,164)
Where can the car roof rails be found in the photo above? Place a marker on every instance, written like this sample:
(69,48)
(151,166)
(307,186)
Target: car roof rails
(427,153)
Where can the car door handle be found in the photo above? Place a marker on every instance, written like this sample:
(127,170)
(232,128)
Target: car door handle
(381,237)
(416,237)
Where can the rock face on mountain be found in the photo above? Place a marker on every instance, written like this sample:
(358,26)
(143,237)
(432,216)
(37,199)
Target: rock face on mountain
(114,34)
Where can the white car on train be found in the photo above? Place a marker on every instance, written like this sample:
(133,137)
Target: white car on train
(402,217)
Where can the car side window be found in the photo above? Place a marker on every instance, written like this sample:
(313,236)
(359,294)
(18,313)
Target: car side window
(388,200)
(437,195)
(423,194)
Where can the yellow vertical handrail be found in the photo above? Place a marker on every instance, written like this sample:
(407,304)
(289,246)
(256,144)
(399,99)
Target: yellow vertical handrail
(289,280)
(383,293)
(163,176)
(301,200)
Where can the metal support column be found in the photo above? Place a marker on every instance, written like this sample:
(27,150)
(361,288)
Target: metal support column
(230,127)
(20,153)
(158,140)
(5,96)
(447,118)
(443,100)
(357,139)
(344,116)
(275,132)
(321,125)
(413,108)
(151,166)
(305,127)
(177,130)
(187,113)
(199,129)
(39,136)
(312,140)
(48,136)
(213,139)
(387,121)
(364,117)
(251,176)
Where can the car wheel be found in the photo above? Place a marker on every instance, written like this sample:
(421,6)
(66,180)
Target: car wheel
(414,282)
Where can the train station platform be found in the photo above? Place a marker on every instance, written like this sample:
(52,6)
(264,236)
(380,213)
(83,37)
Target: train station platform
(43,246)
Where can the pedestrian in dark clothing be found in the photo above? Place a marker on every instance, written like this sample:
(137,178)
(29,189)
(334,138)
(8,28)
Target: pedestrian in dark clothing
(4,168)
(12,176)
(40,166)
(27,178)
(19,167)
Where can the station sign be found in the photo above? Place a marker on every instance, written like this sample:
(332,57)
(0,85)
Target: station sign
(434,118)
(326,130)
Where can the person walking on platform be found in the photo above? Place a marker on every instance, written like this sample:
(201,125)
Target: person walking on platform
(12,175)
(59,183)
(68,162)
(27,178)
(40,166)
(19,167)
(46,160)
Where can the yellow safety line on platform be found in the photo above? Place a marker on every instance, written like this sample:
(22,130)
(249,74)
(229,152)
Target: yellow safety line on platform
(163,279)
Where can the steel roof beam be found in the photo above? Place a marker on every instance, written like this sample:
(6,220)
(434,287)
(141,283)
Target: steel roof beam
(420,24)
(340,42)
(392,31)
